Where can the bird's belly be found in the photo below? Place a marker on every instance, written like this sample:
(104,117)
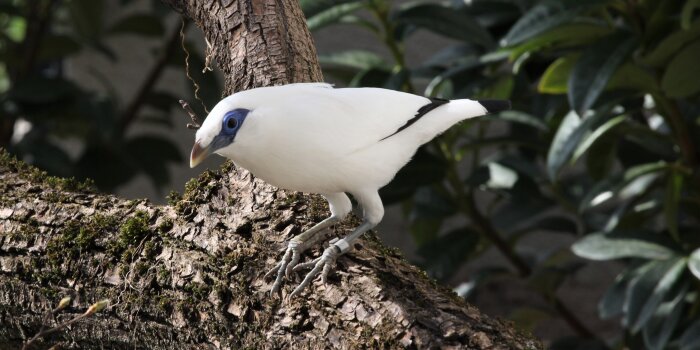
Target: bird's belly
(319,172)
(295,175)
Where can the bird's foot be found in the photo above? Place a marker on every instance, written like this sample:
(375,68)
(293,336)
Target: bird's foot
(284,267)
(321,265)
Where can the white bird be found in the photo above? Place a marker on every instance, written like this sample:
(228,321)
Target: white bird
(314,138)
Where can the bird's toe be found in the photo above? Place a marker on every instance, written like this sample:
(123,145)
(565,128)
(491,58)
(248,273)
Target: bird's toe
(321,266)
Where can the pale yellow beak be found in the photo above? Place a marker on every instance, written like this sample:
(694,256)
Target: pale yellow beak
(198,154)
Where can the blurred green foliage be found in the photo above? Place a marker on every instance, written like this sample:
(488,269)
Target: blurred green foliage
(48,119)
(602,145)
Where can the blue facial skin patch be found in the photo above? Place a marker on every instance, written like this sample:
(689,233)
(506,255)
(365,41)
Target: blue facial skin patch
(231,123)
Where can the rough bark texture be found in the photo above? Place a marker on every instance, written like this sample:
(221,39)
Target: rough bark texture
(259,42)
(190,274)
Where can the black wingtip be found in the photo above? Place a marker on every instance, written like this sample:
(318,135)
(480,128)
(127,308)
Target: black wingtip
(495,106)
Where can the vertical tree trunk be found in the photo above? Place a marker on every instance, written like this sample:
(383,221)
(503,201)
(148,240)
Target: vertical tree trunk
(256,42)
(189,275)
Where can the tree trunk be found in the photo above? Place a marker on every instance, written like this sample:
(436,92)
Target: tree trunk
(190,274)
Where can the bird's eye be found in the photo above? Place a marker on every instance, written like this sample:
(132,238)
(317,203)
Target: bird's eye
(233,120)
(231,123)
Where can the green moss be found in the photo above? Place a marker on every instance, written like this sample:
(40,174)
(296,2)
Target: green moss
(198,291)
(38,176)
(164,302)
(173,197)
(291,199)
(164,276)
(191,187)
(165,226)
(150,249)
(141,268)
(26,231)
(127,255)
(73,239)
(131,232)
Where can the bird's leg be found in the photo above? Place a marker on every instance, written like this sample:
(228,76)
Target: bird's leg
(340,206)
(325,262)
(373,212)
(294,249)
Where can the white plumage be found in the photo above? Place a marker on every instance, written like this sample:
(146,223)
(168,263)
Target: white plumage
(314,138)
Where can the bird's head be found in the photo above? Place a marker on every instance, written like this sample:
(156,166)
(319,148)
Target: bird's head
(218,132)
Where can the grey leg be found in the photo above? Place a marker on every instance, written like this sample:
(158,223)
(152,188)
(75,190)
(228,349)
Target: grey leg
(340,206)
(373,211)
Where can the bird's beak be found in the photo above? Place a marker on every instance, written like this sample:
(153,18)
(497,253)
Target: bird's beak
(198,154)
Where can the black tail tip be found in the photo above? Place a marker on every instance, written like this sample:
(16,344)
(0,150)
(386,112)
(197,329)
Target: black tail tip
(495,106)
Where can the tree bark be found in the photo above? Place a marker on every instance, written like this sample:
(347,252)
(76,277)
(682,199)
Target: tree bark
(190,274)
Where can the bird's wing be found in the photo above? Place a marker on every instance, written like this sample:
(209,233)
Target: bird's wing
(345,120)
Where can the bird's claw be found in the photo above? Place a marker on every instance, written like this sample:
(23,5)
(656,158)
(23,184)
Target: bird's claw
(322,265)
(285,266)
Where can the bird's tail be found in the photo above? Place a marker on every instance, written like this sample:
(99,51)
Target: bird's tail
(455,111)
(494,106)
(438,116)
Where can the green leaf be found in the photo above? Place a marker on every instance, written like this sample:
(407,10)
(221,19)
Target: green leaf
(561,147)
(601,157)
(332,15)
(555,79)
(447,21)
(450,55)
(653,141)
(694,263)
(566,35)
(570,132)
(646,291)
(596,135)
(613,300)
(678,81)
(687,13)
(546,16)
(525,201)
(594,69)
(519,117)
(465,67)
(631,76)
(663,52)
(16,29)
(660,327)
(358,59)
(633,182)
(690,340)
(139,24)
(501,177)
(617,245)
